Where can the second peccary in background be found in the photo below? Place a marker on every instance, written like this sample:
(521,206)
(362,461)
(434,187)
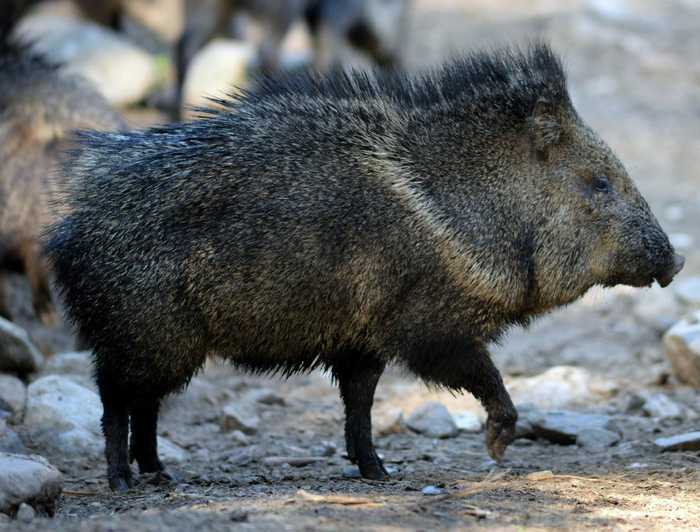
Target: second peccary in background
(345,222)
(39,107)
(375,27)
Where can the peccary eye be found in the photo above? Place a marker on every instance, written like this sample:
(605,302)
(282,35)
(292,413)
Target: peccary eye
(601,184)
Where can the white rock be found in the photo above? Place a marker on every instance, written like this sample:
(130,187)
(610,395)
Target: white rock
(674,213)
(17,352)
(239,416)
(689,441)
(28,478)
(560,387)
(688,290)
(216,70)
(682,348)
(467,421)
(597,439)
(657,308)
(432,419)
(25,513)
(122,72)
(14,393)
(660,405)
(64,417)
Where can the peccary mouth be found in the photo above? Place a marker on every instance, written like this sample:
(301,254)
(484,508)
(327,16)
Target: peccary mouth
(665,277)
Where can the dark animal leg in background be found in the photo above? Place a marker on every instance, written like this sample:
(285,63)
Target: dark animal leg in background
(357,376)
(144,444)
(37,274)
(473,371)
(4,300)
(115,426)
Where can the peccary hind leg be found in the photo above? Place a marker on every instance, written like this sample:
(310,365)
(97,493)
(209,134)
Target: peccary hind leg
(115,426)
(473,371)
(357,375)
(144,445)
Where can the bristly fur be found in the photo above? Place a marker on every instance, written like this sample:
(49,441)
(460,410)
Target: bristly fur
(509,80)
(342,222)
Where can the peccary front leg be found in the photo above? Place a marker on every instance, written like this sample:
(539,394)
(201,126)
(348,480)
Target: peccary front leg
(37,273)
(115,426)
(144,438)
(357,375)
(449,365)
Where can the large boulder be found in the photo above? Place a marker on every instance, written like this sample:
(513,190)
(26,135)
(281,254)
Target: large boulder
(64,417)
(121,71)
(28,479)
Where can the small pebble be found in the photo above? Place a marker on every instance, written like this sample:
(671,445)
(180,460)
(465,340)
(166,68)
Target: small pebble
(431,490)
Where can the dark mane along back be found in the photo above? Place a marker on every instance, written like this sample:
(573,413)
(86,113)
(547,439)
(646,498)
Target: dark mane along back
(512,78)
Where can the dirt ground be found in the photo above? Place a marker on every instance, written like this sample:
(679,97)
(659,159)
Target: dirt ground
(634,71)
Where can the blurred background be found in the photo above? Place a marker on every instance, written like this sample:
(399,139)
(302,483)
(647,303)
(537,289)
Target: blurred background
(630,356)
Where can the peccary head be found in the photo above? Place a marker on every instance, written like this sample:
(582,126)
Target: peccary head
(542,207)
(589,200)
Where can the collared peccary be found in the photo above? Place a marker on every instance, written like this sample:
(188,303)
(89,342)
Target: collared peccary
(39,106)
(344,222)
(375,27)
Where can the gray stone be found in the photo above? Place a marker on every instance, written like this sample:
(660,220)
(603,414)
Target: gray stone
(565,427)
(14,393)
(660,405)
(431,490)
(28,479)
(688,290)
(468,421)
(9,441)
(689,441)
(64,417)
(17,352)
(122,72)
(597,439)
(239,416)
(434,420)
(682,348)
(25,513)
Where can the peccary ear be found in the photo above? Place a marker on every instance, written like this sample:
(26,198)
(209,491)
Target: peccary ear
(546,127)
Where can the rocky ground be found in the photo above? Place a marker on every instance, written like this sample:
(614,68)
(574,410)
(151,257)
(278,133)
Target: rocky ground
(603,387)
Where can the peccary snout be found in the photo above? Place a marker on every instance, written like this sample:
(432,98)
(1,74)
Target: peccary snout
(666,275)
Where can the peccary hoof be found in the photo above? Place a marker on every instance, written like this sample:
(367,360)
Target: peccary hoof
(120,484)
(160,478)
(373,470)
(499,434)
